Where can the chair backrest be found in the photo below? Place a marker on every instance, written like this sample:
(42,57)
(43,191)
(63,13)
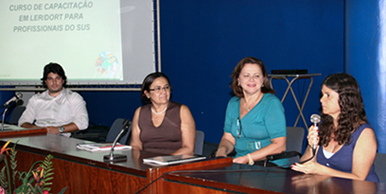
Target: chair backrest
(380,166)
(16,114)
(199,144)
(295,138)
(115,128)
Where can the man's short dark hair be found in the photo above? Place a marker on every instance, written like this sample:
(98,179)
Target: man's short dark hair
(53,68)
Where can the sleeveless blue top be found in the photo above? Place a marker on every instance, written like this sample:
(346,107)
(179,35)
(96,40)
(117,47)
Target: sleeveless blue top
(342,159)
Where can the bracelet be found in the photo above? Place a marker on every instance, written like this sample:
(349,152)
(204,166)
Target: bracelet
(251,162)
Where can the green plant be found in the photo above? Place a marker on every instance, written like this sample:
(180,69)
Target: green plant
(36,180)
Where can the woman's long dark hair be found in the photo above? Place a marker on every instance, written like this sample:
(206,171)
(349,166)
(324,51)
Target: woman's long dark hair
(352,111)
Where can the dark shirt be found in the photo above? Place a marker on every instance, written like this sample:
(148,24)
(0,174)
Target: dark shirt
(342,159)
(165,138)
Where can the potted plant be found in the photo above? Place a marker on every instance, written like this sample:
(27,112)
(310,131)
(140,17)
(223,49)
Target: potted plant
(36,180)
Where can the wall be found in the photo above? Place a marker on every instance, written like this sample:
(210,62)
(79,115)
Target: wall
(202,41)
(365,58)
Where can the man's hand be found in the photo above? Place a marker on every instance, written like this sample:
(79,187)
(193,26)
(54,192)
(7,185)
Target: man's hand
(53,130)
(29,125)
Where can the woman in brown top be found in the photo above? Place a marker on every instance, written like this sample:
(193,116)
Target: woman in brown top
(162,126)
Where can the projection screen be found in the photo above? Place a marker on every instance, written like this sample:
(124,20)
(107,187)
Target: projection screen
(97,42)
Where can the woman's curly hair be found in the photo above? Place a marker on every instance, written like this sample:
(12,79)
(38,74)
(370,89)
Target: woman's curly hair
(352,111)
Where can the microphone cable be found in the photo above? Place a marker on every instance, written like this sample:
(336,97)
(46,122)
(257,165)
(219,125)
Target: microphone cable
(313,156)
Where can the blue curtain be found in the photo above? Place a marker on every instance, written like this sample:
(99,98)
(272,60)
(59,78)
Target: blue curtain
(365,48)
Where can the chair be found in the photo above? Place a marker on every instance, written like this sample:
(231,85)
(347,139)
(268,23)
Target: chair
(199,144)
(294,144)
(295,138)
(16,114)
(115,128)
(380,164)
(94,132)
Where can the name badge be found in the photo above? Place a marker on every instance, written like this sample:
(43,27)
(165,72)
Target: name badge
(254,145)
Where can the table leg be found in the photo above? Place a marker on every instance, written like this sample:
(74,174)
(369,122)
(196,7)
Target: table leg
(304,101)
(289,88)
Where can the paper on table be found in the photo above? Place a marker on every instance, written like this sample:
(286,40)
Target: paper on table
(93,147)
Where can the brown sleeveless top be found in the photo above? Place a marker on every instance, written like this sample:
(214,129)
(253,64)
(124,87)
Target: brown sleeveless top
(165,138)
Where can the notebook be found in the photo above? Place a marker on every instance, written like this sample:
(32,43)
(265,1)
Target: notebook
(168,160)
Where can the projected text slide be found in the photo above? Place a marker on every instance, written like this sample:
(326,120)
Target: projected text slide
(83,36)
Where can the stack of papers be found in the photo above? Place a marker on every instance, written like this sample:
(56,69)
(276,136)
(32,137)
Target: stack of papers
(167,160)
(94,147)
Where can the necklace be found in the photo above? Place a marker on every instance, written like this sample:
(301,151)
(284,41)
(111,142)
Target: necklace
(246,105)
(158,112)
(257,100)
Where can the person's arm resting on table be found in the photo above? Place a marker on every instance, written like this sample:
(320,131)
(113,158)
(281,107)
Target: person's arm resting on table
(135,142)
(188,132)
(226,145)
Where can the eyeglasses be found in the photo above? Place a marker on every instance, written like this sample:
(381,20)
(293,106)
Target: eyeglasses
(239,128)
(158,89)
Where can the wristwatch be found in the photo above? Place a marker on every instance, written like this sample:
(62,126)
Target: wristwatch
(250,162)
(61,129)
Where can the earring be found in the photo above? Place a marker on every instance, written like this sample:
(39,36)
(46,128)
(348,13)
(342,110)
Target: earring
(238,84)
(262,85)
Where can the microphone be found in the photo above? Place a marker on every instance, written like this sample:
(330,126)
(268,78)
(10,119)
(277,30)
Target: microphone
(19,102)
(6,105)
(17,96)
(315,118)
(117,157)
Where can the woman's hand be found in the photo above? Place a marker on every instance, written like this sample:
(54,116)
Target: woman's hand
(313,136)
(220,153)
(241,160)
(226,145)
(310,167)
